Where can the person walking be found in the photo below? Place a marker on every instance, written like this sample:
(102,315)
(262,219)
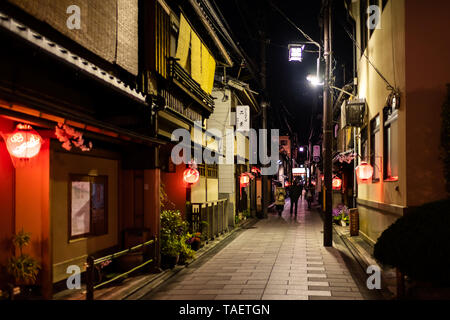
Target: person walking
(295,194)
(310,195)
(280,198)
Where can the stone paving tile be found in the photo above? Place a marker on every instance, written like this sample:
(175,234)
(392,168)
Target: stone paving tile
(284,297)
(281,258)
(238,297)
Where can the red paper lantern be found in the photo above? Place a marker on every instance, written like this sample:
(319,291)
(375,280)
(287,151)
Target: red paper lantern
(244,180)
(191,175)
(364,172)
(23,144)
(337,183)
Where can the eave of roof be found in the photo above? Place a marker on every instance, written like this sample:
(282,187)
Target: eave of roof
(64,54)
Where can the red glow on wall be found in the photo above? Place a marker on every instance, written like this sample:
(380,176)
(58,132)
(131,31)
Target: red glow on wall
(23,144)
(256,170)
(191,176)
(337,183)
(364,172)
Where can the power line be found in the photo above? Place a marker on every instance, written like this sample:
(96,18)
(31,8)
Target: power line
(306,36)
(389,86)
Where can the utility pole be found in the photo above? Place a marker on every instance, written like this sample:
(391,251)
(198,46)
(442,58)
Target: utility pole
(264,106)
(327,128)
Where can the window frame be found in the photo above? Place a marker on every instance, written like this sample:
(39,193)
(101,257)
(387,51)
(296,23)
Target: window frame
(372,148)
(364,138)
(390,116)
(364,32)
(100,179)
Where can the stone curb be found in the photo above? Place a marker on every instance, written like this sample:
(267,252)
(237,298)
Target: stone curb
(364,259)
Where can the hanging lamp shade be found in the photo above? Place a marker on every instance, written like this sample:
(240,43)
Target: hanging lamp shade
(191,175)
(364,172)
(337,183)
(244,180)
(23,144)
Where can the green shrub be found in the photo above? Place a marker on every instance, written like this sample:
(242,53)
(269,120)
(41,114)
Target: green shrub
(173,229)
(418,244)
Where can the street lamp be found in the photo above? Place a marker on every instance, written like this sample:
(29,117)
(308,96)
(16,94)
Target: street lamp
(314,80)
(296,52)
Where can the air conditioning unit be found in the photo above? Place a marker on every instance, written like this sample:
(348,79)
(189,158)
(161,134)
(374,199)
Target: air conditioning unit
(353,112)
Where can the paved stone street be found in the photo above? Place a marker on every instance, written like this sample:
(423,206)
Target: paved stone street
(279,258)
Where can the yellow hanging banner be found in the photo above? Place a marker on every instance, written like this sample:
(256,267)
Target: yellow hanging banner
(196,58)
(184,41)
(211,72)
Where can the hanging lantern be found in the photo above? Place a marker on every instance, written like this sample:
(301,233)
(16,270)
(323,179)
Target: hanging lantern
(287,184)
(244,180)
(23,144)
(191,176)
(364,172)
(337,183)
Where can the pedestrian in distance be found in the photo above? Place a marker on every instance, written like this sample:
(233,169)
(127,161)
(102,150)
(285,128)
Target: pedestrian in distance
(310,195)
(295,194)
(280,198)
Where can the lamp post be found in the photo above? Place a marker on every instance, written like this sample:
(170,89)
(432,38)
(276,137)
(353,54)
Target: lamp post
(327,116)
(327,129)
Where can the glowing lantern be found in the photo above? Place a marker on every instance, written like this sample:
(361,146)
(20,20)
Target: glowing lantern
(244,180)
(337,183)
(287,184)
(364,172)
(23,144)
(191,175)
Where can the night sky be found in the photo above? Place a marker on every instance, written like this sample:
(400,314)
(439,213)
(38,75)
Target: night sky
(292,97)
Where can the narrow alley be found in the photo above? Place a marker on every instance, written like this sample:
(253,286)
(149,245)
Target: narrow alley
(279,258)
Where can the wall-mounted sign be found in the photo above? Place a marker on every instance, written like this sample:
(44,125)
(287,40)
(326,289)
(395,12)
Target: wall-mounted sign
(242,118)
(298,171)
(316,151)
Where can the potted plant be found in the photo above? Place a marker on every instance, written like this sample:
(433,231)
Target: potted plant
(341,215)
(173,230)
(170,252)
(23,269)
(195,240)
